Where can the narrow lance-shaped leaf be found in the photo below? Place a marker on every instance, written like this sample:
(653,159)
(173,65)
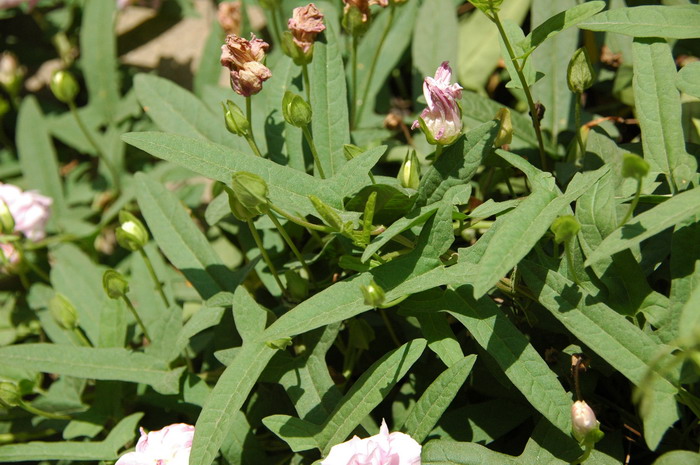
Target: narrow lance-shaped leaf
(559,22)
(673,22)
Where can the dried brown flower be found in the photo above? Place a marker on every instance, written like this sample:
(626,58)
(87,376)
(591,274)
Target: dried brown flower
(306,22)
(229,16)
(245,60)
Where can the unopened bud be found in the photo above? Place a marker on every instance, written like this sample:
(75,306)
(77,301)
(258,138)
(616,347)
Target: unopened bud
(297,286)
(248,195)
(585,427)
(292,50)
(10,395)
(634,166)
(328,214)
(373,293)
(505,128)
(409,174)
(279,344)
(114,284)
(64,86)
(235,120)
(131,234)
(296,110)
(351,151)
(580,74)
(63,312)
(565,228)
(7,222)
(11,73)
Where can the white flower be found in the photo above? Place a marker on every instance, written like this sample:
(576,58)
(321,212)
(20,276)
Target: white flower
(30,210)
(168,446)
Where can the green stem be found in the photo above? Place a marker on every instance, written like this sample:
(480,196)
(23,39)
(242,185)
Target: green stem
(373,65)
(291,245)
(42,413)
(307,85)
(100,154)
(633,205)
(577,122)
(265,256)
(250,137)
(81,337)
(301,221)
(154,277)
(390,328)
(312,146)
(438,152)
(526,89)
(586,453)
(136,315)
(353,82)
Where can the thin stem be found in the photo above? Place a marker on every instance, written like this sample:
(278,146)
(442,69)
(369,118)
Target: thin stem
(81,337)
(265,256)
(136,315)
(250,137)
(312,146)
(526,89)
(353,92)
(100,154)
(154,277)
(390,328)
(438,152)
(301,221)
(577,122)
(373,65)
(42,413)
(633,205)
(307,85)
(291,245)
(577,385)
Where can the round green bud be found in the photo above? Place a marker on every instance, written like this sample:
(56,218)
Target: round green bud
(131,234)
(565,228)
(248,195)
(296,110)
(10,395)
(505,129)
(63,311)
(409,174)
(7,222)
(373,293)
(64,86)
(634,166)
(235,120)
(580,74)
(114,284)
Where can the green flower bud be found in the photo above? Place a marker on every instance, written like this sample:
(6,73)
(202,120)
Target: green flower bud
(279,344)
(297,286)
(248,195)
(634,166)
(373,293)
(355,22)
(10,395)
(114,284)
(235,120)
(292,50)
(505,129)
(4,107)
(565,228)
(11,73)
(132,234)
(351,151)
(328,213)
(584,425)
(7,222)
(580,74)
(64,86)
(296,110)
(63,311)
(409,174)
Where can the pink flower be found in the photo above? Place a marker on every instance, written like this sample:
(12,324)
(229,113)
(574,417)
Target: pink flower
(441,121)
(168,446)
(30,210)
(583,420)
(244,59)
(306,22)
(10,255)
(381,449)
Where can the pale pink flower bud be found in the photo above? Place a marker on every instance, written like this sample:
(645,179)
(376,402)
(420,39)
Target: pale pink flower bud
(229,16)
(168,446)
(9,256)
(380,449)
(441,121)
(306,22)
(30,210)
(583,420)
(244,58)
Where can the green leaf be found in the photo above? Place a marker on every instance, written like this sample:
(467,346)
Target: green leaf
(175,110)
(436,398)
(440,337)
(250,317)
(299,435)
(688,80)
(446,452)
(559,22)
(94,363)
(674,22)
(329,102)
(673,211)
(515,37)
(74,450)
(487,6)
(689,320)
(658,108)
(37,155)
(98,48)
(435,36)
(180,239)
(678,457)
(367,392)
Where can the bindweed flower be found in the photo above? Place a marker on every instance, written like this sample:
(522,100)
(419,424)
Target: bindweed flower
(380,449)
(30,210)
(244,58)
(441,121)
(229,16)
(305,24)
(585,426)
(168,446)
